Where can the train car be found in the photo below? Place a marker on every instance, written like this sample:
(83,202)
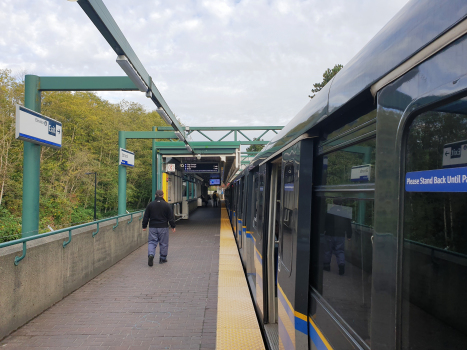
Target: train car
(355,227)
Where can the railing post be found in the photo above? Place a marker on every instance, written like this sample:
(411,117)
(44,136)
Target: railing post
(121,177)
(31,164)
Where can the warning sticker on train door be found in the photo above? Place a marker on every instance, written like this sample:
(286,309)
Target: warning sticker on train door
(439,180)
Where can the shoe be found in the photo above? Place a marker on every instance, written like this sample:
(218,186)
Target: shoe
(162,260)
(326,267)
(151,260)
(341,269)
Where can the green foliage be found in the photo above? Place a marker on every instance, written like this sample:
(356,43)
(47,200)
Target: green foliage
(327,76)
(90,143)
(255,148)
(10,227)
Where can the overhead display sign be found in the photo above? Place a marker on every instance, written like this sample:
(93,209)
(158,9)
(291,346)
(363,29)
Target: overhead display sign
(126,158)
(37,128)
(215,182)
(201,167)
(360,173)
(439,180)
(455,154)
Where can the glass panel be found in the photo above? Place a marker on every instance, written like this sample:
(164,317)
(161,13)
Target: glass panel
(350,165)
(342,273)
(288,205)
(350,128)
(434,306)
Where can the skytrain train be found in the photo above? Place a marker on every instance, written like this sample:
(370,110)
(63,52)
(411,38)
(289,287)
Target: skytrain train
(351,223)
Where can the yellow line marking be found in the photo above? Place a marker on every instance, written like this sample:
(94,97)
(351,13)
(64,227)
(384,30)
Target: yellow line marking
(237,326)
(320,334)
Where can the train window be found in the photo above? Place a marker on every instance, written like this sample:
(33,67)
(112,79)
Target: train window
(256,194)
(357,128)
(434,258)
(288,205)
(343,265)
(350,165)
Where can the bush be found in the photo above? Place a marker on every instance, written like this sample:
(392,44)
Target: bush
(10,227)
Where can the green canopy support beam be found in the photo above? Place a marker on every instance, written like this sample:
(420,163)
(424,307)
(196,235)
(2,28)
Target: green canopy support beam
(87,84)
(104,22)
(244,135)
(231,131)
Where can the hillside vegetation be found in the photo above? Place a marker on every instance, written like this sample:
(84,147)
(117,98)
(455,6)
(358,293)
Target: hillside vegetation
(90,143)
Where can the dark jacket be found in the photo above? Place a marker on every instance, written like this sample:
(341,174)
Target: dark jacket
(338,226)
(158,214)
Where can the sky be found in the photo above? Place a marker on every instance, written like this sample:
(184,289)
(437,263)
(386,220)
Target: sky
(216,62)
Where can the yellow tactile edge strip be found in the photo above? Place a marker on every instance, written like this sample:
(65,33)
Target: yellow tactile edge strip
(237,326)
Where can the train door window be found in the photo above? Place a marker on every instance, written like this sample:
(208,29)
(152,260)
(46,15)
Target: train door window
(341,271)
(286,239)
(434,253)
(256,194)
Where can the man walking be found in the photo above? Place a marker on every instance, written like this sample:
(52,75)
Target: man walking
(158,214)
(215,198)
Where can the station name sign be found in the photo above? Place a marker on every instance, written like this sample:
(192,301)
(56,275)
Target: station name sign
(126,158)
(37,128)
(439,180)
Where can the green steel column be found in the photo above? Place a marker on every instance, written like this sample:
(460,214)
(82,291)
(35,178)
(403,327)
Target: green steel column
(159,171)
(154,166)
(121,177)
(154,169)
(31,164)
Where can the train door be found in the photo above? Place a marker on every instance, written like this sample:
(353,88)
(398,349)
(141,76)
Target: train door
(239,223)
(249,245)
(341,270)
(294,245)
(272,251)
(259,233)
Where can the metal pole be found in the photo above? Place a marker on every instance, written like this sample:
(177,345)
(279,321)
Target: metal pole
(159,171)
(154,167)
(121,177)
(31,164)
(95,196)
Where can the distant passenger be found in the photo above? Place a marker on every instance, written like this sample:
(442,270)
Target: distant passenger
(205,200)
(215,198)
(159,215)
(337,226)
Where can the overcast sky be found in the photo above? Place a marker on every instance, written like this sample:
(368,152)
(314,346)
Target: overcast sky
(216,62)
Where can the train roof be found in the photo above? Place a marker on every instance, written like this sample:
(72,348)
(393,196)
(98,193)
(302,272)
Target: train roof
(414,27)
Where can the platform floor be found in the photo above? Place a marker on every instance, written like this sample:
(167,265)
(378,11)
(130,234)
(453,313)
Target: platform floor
(134,306)
(177,305)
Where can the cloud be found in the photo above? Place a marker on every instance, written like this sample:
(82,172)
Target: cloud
(216,62)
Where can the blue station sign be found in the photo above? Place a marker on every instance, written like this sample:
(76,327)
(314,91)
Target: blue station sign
(439,180)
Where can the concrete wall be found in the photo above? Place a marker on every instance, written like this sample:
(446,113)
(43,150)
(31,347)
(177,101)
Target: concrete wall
(49,272)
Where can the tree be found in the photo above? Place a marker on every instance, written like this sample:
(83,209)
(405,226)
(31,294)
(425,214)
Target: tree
(255,148)
(327,76)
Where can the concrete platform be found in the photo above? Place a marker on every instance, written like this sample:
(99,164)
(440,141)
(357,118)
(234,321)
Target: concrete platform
(168,306)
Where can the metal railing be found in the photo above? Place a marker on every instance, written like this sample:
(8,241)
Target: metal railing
(69,229)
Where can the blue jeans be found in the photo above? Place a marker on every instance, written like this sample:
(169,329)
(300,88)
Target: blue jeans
(155,236)
(336,246)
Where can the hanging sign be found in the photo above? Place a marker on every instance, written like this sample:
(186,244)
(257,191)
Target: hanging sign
(439,180)
(170,167)
(126,158)
(37,128)
(360,173)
